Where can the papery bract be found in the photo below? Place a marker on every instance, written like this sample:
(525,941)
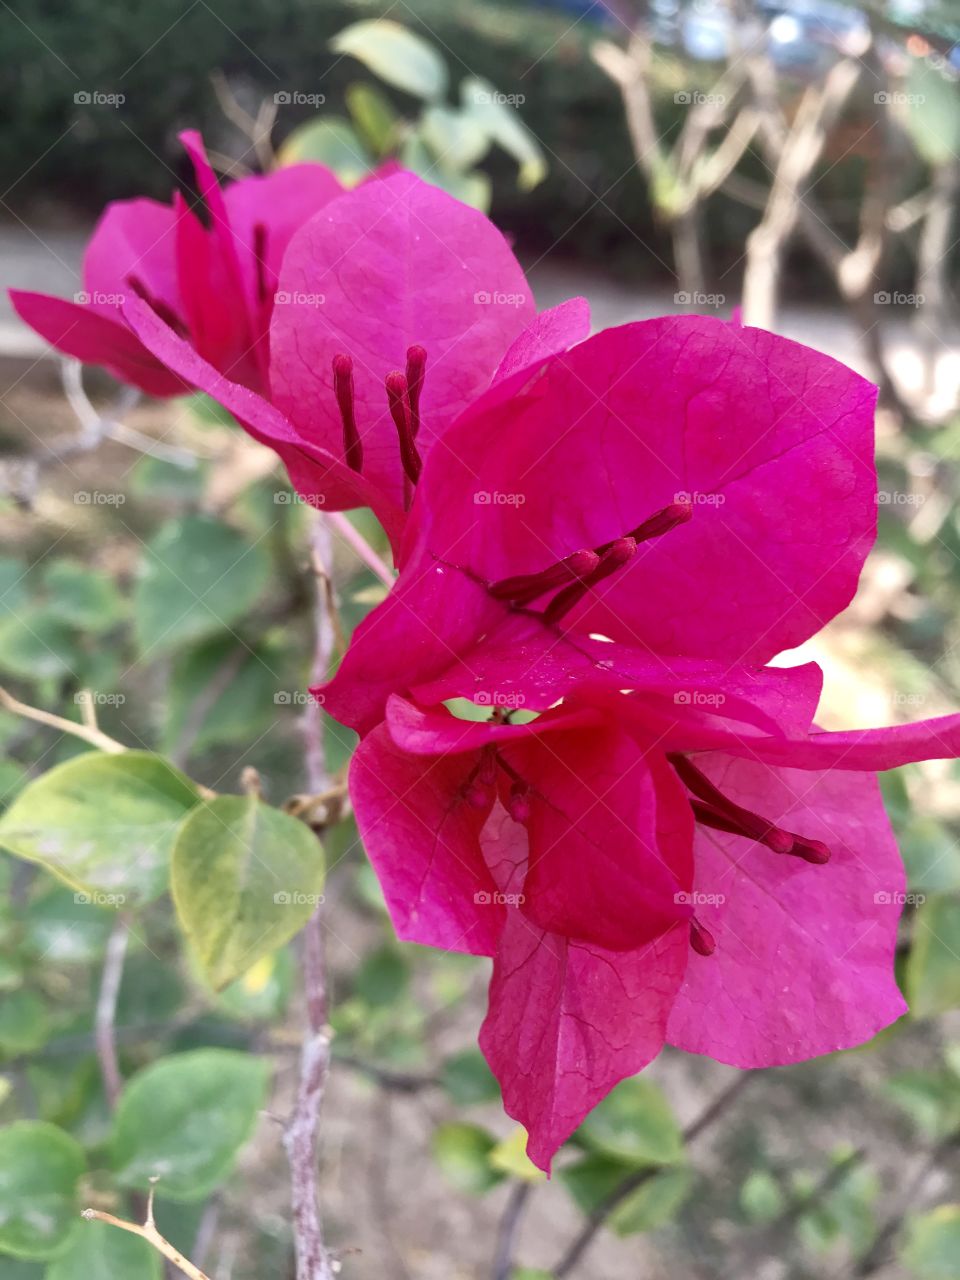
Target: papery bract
(209,271)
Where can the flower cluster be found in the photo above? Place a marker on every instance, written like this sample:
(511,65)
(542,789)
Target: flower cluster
(577,754)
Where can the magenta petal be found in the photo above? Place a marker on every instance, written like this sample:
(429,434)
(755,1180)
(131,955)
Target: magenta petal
(597,810)
(133,241)
(871,750)
(423,839)
(804,954)
(555,330)
(280,203)
(391,264)
(567,1021)
(771,442)
(314,473)
(87,335)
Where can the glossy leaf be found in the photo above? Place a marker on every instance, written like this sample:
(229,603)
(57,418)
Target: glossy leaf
(331,141)
(197,577)
(40,1167)
(633,1123)
(103,823)
(184,1119)
(245,878)
(396,55)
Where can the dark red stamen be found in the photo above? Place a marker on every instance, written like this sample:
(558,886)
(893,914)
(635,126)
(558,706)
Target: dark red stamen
(813,851)
(416,364)
(743,824)
(518,802)
(343,390)
(613,557)
(701,939)
(661,522)
(260,261)
(398,395)
(160,308)
(527,586)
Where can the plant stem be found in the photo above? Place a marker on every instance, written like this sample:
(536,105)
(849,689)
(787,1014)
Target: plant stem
(105,1016)
(153,1237)
(509,1226)
(358,543)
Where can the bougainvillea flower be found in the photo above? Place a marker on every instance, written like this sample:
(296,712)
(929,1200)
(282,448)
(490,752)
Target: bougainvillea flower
(679,501)
(211,272)
(684,485)
(396,307)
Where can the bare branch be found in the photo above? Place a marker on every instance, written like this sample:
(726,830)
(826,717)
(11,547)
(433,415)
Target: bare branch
(106,1011)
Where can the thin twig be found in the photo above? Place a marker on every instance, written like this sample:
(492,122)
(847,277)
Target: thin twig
(300,1138)
(358,543)
(153,1237)
(509,1226)
(96,737)
(106,1012)
(599,1216)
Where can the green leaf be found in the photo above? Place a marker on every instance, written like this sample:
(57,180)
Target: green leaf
(374,117)
(510,1157)
(100,1252)
(933,967)
(933,117)
(196,578)
(454,137)
(13,586)
(24,1025)
(396,55)
(183,1119)
(263,991)
(463,1153)
(332,142)
(105,824)
(932,1246)
(653,1203)
(62,930)
(931,1098)
(82,597)
(594,1177)
(633,1123)
(40,1167)
(157,479)
(470,188)
(36,644)
(496,115)
(761,1197)
(467,1078)
(245,708)
(245,878)
(383,977)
